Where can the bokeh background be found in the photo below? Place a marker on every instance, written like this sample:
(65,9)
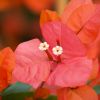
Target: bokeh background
(19,19)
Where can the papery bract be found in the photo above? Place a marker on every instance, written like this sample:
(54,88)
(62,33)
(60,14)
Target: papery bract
(85,21)
(91,28)
(48,16)
(70,51)
(95,69)
(69,74)
(7,63)
(81,93)
(96,81)
(33,67)
(71,7)
(79,21)
(83,15)
(41,93)
(79,17)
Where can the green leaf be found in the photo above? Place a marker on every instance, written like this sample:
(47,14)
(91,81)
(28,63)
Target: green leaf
(97,89)
(17,91)
(51,98)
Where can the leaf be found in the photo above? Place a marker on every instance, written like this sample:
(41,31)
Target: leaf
(17,88)
(97,89)
(17,91)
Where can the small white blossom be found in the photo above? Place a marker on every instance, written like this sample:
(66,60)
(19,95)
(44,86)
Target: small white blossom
(58,50)
(43,46)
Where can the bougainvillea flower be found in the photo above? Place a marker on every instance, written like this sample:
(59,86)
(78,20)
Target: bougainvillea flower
(56,61)
(79,21)
(7,64)
(84,21)
(81,93)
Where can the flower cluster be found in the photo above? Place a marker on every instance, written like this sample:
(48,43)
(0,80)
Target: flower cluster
(68,60)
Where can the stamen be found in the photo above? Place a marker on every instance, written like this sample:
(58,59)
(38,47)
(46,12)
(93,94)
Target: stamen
(49,55)
(58,50)
(43,46)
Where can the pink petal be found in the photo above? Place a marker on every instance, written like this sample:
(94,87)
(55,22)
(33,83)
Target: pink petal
(51,31)
(71,73)
(31,49)
(71,7)
(57,31)
(71,44)
(32,65)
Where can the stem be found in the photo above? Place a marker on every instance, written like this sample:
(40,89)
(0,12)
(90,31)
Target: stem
(49,55)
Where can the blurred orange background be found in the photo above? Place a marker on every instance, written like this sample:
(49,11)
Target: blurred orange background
(19,20)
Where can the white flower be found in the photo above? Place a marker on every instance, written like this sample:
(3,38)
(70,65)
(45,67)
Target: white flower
(58,50)
(43,46)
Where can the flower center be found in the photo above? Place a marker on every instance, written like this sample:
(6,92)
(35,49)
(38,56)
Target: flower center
(58,50)
(43,46)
